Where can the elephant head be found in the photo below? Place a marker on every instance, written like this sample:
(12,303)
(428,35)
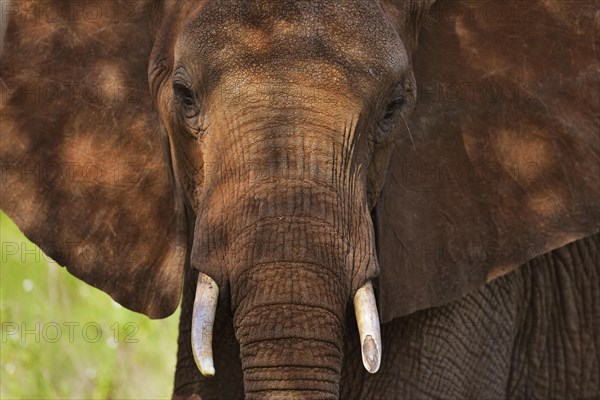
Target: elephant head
(267,145)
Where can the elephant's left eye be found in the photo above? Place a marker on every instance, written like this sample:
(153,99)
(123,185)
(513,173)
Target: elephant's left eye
(393,107)
(389,116)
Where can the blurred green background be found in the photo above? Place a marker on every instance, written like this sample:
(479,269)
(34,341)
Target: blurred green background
(51,347)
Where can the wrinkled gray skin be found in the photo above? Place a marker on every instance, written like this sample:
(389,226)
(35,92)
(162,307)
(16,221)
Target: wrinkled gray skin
(532,334)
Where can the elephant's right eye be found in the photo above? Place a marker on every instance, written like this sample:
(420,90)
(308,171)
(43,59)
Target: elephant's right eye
(184,94)
(186,99)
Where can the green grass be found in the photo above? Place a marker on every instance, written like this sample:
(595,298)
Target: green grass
(137,360)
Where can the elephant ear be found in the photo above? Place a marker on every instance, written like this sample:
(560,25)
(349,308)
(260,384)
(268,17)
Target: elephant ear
(506,164)
(85,164)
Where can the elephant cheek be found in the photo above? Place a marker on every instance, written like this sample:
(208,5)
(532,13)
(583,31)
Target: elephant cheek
(207,254)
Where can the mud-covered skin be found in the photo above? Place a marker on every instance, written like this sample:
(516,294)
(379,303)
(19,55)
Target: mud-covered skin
(263,136)
(280,117)
(531,334)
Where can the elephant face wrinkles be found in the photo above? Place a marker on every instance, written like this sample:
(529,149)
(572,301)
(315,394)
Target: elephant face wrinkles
(281,110)
(279,116)
(263,151)
(286,65)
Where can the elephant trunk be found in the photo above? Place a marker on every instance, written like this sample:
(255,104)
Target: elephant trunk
(289,325)
(290,279)
(291,244)
(289,293)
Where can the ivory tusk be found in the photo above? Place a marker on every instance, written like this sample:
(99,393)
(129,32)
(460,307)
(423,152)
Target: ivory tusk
(203,319)
(369,330)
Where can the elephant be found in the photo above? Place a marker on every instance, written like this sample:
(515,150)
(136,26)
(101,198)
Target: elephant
(351,199)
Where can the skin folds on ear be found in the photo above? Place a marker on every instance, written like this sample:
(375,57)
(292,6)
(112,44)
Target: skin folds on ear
(85,165)
(506,165)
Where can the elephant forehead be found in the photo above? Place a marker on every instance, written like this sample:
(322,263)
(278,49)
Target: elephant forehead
(312,83)
(329,40)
